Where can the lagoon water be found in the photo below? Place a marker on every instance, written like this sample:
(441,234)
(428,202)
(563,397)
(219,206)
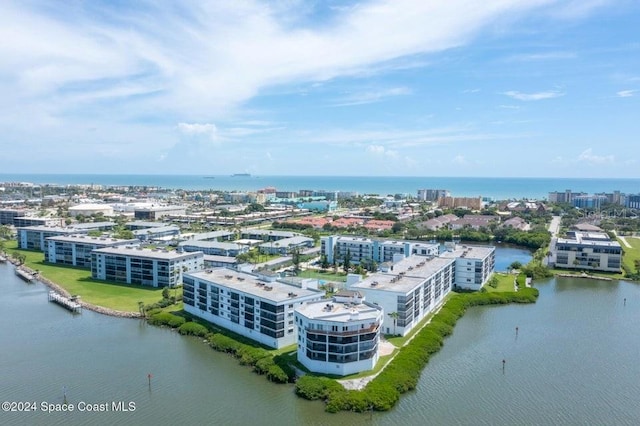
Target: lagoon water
(574,361)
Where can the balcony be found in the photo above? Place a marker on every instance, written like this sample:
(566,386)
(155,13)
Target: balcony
(371,329)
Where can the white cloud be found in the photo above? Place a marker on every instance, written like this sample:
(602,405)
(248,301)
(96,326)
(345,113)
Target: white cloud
(200,59)
(375,149)
(459,159)
(546,56)
(379,150)
(587,156)
(626,93)
(537,96)
(191,129)
(369,97)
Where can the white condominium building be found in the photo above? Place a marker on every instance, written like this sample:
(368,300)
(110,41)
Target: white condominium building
(339,336)
(588,251)
(76,249)
(255,306)
(408,290)
(151,267)
(474,265)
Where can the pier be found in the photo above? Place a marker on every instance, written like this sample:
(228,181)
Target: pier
(66,302)
(25,275)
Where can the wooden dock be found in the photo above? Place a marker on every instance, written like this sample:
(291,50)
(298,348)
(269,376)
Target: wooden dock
(66,302)
(25,275)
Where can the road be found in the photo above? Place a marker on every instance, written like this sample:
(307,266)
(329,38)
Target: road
(554,228)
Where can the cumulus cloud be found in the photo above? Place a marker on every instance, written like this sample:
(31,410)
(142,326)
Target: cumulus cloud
(381,151)
(626,93)
(207,129)
(537,96)
(587,156)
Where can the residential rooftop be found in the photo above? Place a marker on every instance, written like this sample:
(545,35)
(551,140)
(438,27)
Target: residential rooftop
(255,285)
(145,252)
(405,275)
(329,310)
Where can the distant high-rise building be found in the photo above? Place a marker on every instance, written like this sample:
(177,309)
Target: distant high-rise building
(432,194)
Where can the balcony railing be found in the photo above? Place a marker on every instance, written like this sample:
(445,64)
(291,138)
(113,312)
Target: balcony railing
(370,329)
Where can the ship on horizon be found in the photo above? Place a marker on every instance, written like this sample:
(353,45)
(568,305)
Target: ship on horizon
(241,175)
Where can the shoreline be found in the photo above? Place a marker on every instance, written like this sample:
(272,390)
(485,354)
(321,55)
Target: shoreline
(587,276)
(85,305)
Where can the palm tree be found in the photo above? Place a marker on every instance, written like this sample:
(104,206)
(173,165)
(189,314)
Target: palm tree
(395,316)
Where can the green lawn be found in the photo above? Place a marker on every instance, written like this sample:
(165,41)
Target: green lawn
(631,254)
(505,282)
(327,276)
(122,297)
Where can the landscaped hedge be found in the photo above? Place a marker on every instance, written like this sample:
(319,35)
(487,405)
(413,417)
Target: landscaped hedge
(403,372)
(165,318)
(193,329)
(262,361)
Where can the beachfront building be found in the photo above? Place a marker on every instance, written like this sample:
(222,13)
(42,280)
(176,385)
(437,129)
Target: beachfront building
(408,290)
(255,306)
(76,249)
(339,336)
(474,265)
(432,194)
(365,250)
(593,251)
(33,237)
(141,266)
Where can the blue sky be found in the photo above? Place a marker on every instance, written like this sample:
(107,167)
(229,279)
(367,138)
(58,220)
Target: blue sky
(541,88)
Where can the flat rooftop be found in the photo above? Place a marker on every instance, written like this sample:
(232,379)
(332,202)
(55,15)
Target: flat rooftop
(85,239)
(406,274)
(251,284)
(588,243)
(469,252)
(328,310)
(210,244)
(146,253)
(44,228)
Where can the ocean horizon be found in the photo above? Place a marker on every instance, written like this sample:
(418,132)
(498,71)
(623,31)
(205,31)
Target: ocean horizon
(490,187)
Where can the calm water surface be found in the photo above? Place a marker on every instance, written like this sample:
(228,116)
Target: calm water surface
(574,361)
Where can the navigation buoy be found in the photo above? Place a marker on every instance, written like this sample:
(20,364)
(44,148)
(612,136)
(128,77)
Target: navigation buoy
(625,302)
(149,378)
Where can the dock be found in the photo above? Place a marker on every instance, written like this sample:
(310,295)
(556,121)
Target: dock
(66,302)
(25,275)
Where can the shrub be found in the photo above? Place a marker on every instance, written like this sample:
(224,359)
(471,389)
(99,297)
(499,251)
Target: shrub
(193,329)
(165,318)
(249,355)
(223,343)
(403,372)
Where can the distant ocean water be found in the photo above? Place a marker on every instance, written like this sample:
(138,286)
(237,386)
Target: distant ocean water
(496,188)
